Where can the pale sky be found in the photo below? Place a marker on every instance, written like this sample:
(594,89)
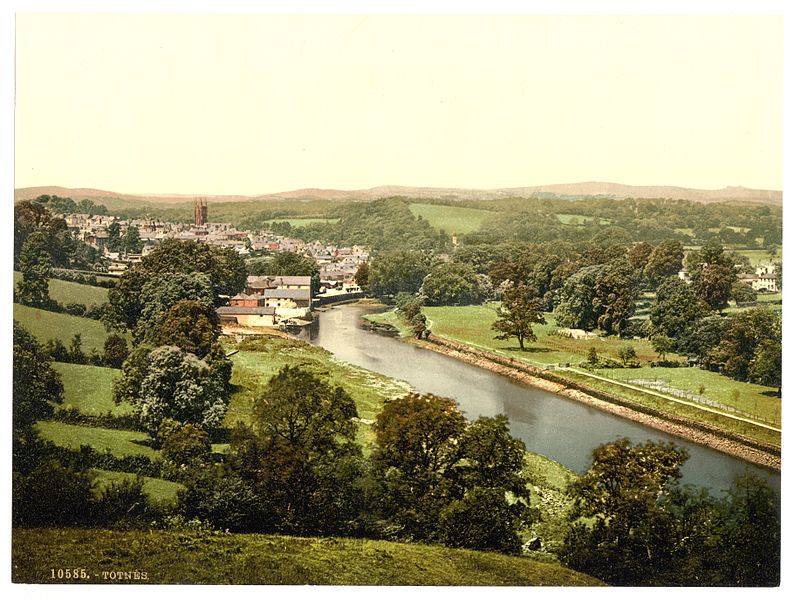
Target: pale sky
(241,104)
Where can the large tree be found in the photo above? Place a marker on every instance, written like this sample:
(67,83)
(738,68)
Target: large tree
(665,260)
(448,480)
(520,310)
(599,296)
(35,263)
(398,271)
(301,459)
(675,309)
(162,291)
(36,386)
(620,531)
(168,382)
(451,283)
(712,273)
(190,325)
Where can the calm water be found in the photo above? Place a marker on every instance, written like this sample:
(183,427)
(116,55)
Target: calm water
(552,425)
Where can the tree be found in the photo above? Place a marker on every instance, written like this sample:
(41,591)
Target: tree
(741,293)
(448,480)
(302,460)
(626,354)
(292,263)
(675,309)
(115,351)
(666,260)
(168,382)
(662,345)
(190,325)
(362,276)
(36,386)
(627,536)
(521,308)
(114,243)
(163,291)
(752,556)
(451,283)
(398,271)
(76,354)
(131,243)
(712,274)
(419,325)
(35,262)
(183,443)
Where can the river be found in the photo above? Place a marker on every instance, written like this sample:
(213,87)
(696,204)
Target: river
(555,426)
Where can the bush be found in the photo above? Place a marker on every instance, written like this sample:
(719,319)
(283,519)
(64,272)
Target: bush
(52,494)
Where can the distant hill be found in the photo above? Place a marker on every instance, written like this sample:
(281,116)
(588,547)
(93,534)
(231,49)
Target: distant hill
(589,188)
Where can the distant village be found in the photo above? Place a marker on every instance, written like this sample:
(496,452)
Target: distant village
(275,300)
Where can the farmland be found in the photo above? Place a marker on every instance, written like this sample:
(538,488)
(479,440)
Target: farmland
(118,442)
(88,389)
(67,292)
(45,325)
(452,219)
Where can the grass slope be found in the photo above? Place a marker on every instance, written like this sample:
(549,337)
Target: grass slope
(217,558)
(45,325)
(159,491)
(254,366)
(89,389)
(452,219)
(67,292)
(118,442)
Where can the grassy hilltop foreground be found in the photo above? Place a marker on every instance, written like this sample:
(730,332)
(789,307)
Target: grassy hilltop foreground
(218,558)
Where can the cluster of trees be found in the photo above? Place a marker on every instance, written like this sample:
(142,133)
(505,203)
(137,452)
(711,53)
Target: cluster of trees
(58,205)
(382,225)
(52,237)
(43,242)
(129,243)
(632,524)
(433,476)
(177,368)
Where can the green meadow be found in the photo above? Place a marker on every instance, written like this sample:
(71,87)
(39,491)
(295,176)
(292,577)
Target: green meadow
(118,442)
(45,325)
(452,219)
(68,292)
(89,389)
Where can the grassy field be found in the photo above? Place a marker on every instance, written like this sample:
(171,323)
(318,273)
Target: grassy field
(452,219)
(118,442)
(67,292)
(748,397)
(45,325)
(218,558)
(254,366)
(762,257)
(89,389)
(297,222)
(159,491)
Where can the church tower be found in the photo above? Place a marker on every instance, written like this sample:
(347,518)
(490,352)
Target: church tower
(201,211)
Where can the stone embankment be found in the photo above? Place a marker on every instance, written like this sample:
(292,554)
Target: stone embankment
(734,444)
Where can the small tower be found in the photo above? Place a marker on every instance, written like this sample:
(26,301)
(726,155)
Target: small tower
(201,211)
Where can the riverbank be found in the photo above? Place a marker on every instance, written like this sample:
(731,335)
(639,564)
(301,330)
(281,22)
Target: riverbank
(728,442)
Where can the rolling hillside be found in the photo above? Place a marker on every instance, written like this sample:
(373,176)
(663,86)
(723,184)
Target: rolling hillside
(592,188)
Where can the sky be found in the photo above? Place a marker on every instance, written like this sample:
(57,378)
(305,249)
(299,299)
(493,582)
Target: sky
(255,104)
